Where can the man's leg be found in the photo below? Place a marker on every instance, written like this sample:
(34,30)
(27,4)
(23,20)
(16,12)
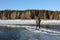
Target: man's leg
(39,26)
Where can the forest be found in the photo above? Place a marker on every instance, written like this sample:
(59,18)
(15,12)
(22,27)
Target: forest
(29,14)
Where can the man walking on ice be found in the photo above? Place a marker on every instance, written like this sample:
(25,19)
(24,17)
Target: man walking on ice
(37,20)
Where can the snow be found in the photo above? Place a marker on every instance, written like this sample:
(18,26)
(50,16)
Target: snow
(50,22)
(43,22)
(17,22)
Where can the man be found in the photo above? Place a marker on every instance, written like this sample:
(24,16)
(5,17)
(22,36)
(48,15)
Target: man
(37,22)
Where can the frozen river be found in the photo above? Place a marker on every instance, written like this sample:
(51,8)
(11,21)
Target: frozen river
(49,34)
(20,32)
(29,33)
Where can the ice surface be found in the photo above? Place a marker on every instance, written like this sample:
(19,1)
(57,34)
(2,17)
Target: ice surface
(48,34)
(30,32)
(41,34)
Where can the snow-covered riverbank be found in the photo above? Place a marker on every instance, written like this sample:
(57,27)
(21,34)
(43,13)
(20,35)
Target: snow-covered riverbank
(43,22)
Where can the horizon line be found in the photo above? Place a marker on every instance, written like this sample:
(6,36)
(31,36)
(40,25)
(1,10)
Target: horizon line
(28,9)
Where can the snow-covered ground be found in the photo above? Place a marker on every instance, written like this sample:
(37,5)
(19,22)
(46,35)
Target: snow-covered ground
(44,22)
(17,22)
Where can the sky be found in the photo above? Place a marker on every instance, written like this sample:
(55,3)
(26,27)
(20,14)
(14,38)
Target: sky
(30,4)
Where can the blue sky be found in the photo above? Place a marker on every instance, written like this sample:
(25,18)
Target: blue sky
(30,4)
